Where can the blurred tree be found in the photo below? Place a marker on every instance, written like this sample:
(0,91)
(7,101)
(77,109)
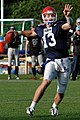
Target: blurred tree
(33,8)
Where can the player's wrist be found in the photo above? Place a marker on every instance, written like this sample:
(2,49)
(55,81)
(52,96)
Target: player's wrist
(69,19)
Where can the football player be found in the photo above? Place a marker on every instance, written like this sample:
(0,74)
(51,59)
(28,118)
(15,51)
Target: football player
(54,35)
(72,30)
(76,53)
(13,52)
(70,42)
(34,43)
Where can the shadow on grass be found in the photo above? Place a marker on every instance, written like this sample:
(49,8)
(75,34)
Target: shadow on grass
(48,117)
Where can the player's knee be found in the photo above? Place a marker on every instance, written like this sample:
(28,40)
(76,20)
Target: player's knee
(61,88)
(45,83)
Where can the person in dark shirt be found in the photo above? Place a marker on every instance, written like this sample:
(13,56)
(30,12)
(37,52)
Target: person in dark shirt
(76,53)
(70,33)
(54,35)
(13,53)
(35,49)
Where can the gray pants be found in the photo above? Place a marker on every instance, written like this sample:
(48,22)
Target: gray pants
(11,52)
(34,58)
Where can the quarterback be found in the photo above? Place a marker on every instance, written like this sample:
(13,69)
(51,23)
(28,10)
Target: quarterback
(54,35)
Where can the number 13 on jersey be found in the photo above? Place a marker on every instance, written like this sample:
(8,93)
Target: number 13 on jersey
(48,35)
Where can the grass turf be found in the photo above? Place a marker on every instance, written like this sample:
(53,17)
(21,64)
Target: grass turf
(16,95)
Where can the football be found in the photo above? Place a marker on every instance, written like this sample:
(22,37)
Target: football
(9,37)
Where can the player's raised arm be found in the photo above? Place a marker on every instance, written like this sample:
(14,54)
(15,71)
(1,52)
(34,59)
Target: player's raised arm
(28,33)
(67,11)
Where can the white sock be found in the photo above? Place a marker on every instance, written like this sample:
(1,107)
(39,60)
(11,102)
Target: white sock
(33,105)
(54,105)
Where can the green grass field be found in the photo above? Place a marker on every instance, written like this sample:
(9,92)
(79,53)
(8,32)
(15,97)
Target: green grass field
(16,95)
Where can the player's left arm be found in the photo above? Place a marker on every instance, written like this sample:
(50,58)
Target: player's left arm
(67,11)
(27,33)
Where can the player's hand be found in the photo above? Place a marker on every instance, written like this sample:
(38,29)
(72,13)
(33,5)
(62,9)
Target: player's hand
(67,10)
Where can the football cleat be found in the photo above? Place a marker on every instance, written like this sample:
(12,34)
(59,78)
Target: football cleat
(35,78)
(29,111)
(9,77)
(41,78)
(17,77)
(54,111)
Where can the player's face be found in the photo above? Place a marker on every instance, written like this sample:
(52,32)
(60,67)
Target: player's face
(78,23)
(49,17)
(78,32)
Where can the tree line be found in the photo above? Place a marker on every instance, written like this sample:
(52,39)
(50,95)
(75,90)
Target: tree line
(33,8)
